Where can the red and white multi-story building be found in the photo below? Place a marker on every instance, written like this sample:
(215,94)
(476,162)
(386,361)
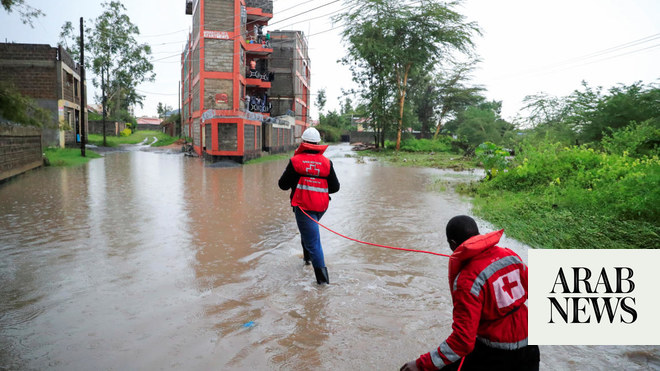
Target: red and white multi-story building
(227,107)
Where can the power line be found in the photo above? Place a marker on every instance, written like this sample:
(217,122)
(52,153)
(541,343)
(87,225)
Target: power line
(570,63)
(305,12)
(608,50)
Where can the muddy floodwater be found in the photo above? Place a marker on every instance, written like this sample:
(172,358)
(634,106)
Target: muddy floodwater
(150,260)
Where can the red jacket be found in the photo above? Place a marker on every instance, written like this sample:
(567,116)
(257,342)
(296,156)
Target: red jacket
(489,289)
(312,190)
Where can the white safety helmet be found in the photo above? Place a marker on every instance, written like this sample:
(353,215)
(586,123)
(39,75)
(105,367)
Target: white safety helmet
(311,135)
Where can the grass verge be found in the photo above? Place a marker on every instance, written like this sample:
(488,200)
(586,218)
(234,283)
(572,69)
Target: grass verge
(135,138)
(68,156)
(540,222)
(269,158)
(439,160)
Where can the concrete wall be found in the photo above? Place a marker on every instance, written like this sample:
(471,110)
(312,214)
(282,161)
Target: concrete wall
(366,137)
(218,55)
(31,68)
(217,86)
(278,139)
(111,128)
(218,14)
(227,137)
(20,149)
(148,127)
(52,78)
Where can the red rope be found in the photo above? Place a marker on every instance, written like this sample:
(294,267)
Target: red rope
(461,365)
(372,244)
(385,246)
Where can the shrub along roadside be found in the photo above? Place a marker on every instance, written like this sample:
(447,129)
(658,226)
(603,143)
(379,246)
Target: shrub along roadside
(134,138)
(575,197)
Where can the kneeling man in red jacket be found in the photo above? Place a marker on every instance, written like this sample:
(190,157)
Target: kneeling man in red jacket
(489,289)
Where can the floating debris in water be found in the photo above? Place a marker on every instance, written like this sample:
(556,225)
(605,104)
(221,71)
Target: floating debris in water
(248,324)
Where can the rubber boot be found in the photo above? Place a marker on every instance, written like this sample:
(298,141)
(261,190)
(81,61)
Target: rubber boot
(321,275)
(306,257)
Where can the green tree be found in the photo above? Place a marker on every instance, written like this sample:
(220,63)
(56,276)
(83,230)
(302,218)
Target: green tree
(481,123)
(163,109)
(403,39)
(453,95)
(587,114)
(26,12)
(320,101)
(624,105)
(369,68)
(115,56)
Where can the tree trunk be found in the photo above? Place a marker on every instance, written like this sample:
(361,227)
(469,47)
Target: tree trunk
(402,100)
(442,115)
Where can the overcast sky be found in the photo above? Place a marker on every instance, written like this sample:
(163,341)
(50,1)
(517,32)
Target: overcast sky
(527,46)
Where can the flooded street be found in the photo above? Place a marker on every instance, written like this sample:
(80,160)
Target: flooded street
(145,260)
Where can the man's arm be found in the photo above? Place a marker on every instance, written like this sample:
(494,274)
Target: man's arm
(289,178)
(333,182)
(466,316)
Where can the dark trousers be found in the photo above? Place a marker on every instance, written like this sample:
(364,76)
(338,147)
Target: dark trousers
(484,357)
(309,235)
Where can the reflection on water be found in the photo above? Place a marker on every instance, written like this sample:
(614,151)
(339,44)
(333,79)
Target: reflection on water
(149,260)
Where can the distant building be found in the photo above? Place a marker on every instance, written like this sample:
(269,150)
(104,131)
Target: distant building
(148,123)
(290,65)
(51,77)
(227,108)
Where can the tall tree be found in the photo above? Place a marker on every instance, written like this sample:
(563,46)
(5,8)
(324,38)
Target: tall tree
(405,38)
(114,52)
(26,12)
(370,69)
(321,100)
(587,114)
(162,109)
(453,95)
(480,123)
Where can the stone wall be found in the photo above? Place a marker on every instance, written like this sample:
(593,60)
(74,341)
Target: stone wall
(111,128)
(212,87)
(365,137)
(20,149)
(227,137)
(218,55)
(218,15)
(31,68)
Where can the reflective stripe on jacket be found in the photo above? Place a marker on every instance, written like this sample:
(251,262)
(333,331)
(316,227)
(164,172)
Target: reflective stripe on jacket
(312,190)
(489,289)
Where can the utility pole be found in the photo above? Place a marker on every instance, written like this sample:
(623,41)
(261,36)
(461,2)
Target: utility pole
(83,101)
(103,100)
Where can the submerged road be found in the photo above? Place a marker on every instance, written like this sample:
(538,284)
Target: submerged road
(148,260)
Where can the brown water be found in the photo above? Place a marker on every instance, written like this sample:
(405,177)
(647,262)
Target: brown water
(145,260)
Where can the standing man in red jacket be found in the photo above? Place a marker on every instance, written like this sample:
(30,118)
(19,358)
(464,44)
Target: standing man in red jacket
(489,289)
(311,178)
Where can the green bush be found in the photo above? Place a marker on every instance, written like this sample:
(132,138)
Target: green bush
(635,139)
(329,134)
(441,144)
(126,132)
(584,178)
(493,157)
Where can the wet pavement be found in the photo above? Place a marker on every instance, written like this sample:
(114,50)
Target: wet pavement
(153,260)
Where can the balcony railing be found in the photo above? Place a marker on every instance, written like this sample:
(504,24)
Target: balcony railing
(265,5)
(263,76)
(258,104)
